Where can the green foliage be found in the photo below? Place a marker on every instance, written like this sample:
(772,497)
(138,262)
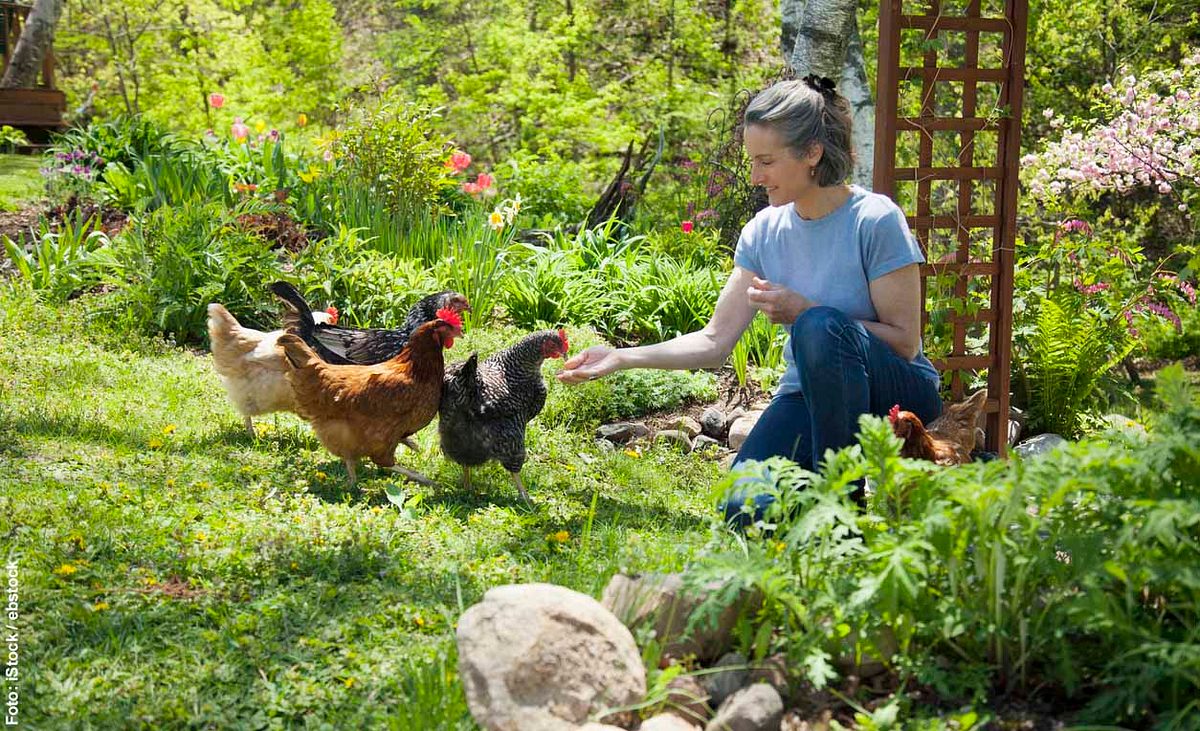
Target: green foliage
(1066,573)
(11,139)
(20,181)
(634,393)
(550,188)
(173,262)
(58,261)
(391,146)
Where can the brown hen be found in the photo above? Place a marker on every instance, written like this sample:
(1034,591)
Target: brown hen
(920,444)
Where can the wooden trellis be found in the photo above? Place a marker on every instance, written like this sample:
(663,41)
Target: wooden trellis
(947,147)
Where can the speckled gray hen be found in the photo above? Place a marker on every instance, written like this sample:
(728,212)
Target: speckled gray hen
(486,405)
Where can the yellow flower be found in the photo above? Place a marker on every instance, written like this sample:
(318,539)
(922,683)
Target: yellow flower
(320,475)
(561,536)
(569,467)
(169,429)
(149,580)
(496,220)
(302,119)
(171,482)
(155,442)
(294,565)
(201,536)
(376,509)
(632,453)
(65,570)
(260,126)
(99,606)
(348,682)
(420,621)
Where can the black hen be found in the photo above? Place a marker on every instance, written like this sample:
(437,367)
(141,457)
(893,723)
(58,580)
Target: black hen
(361,346)
(485,406)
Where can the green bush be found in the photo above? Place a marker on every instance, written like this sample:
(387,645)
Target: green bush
(550,188)
(172,263)
(392,146)
(59,261)
(1070,575)
(629,394)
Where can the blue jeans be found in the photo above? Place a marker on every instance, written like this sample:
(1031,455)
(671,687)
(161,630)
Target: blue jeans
(845,371)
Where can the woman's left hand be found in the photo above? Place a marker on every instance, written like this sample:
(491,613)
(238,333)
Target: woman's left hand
(781,305)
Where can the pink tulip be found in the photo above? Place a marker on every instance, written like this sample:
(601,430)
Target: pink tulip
(484,181)
(273,135)
(471,188)
(459,161)
(239,130)
(687,227)
(216,101)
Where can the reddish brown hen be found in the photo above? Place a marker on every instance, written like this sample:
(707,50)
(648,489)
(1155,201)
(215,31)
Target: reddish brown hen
(920,444)
(959,422)
(365,411)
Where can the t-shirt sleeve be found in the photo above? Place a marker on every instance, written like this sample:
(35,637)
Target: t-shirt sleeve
(890,245)
(746,255)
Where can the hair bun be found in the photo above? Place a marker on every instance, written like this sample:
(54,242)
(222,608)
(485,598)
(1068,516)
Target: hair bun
(821,84)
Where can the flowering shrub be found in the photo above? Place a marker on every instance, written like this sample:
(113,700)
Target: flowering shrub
(1152,139)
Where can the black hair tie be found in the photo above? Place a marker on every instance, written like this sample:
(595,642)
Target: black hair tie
(822,84)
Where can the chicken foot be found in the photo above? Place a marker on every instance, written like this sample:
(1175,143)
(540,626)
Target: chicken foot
(416,477)
(516,478)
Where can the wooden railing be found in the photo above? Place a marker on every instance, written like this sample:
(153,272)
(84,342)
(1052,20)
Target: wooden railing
(12,22)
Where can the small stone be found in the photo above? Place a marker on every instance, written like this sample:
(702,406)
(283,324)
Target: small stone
(721,685)
(740,429)
(675,437)
(688,699)
(667,722)
(756,708)
(704,441)
(773,672)
(713,423)
(622,431)
(605,446)
(687,425)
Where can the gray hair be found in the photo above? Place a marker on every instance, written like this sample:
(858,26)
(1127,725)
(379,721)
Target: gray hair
(801,115)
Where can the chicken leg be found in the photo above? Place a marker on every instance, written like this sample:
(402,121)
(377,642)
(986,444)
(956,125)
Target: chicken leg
(408,442)
(516,478)
(416,477)
(249,422)
(352,476)
(466,478)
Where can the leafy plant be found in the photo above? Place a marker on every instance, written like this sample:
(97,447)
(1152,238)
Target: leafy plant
(57,260)
(11,138)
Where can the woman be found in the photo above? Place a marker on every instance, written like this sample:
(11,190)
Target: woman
(834,263)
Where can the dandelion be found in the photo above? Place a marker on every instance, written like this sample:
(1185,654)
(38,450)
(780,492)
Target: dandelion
(65,570)
(201,536)
(99,606)
(301,119)
(348,682)
(155,443)
(496,220)
(560,537)
(320,475)
(169,429)
(419,621)
(239,131)
(687,227)
(216,101)
(632,453)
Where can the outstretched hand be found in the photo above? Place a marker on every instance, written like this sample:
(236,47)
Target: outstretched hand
(596,361)
(781,305)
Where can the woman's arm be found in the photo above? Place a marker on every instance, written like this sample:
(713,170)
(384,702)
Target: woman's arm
(705,348)
(897,300)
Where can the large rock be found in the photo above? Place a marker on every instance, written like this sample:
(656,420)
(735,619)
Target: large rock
(688,699)
(755,708)
(660,600)
(676,437)
(539,657)
(667,722)
(732,674)
(687,425)
(713,423)
(1039,445)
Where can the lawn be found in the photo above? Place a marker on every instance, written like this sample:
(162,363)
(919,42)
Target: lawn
(20,180)
(174,571)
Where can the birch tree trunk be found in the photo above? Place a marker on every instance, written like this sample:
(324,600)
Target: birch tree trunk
(36,39)
(821,37)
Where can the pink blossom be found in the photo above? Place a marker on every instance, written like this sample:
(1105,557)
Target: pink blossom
(239,130)
(471,188)
(273,135)
(216,101)
(458,162)
(686,227)
(328,156)
(484,181)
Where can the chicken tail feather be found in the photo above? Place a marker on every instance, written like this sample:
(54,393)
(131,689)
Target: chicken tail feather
(296,317)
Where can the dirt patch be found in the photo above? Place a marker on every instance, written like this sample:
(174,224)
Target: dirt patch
(15,223)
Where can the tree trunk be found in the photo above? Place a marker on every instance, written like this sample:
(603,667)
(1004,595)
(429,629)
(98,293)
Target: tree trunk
(821,37)
(37,37)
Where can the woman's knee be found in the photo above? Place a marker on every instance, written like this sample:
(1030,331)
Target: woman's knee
(818,331)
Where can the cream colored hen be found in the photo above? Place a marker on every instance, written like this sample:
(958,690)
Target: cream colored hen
(251,364)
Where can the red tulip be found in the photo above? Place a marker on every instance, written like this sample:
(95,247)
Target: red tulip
(687,227)
(216,101)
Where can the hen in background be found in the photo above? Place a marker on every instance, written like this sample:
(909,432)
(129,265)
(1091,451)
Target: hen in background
(361,346)
(251,364)
(366,411)
(486,406)
(959,422)
(920,444)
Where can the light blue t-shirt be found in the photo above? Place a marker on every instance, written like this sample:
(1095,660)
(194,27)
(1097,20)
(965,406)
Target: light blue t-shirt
(832,259)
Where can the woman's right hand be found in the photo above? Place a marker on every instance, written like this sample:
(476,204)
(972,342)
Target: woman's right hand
(596,361)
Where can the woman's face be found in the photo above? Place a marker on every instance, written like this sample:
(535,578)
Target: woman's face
(776,168)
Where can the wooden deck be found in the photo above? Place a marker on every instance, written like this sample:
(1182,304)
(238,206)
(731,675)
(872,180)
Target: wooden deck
(37,110)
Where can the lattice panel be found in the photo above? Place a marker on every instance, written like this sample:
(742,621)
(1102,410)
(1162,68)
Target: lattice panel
(947,144)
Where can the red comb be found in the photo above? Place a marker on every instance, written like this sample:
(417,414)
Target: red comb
(333,314)
(562,335)
(894,414)
(450,317)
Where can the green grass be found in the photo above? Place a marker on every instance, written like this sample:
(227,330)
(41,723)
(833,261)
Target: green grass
(20,180)
(176,573)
